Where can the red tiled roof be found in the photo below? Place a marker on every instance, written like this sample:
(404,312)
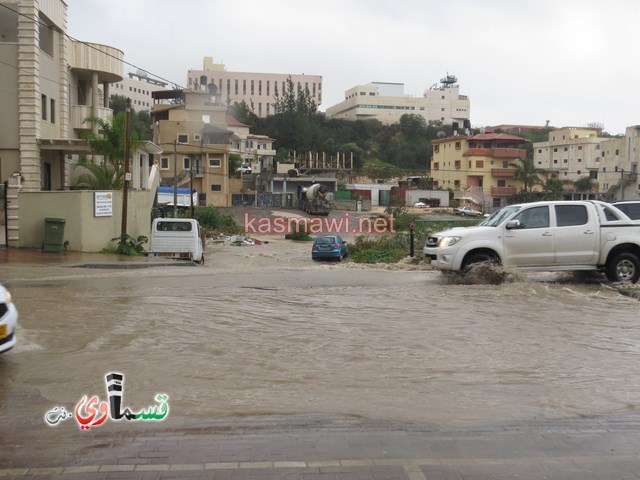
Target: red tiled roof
(232,122)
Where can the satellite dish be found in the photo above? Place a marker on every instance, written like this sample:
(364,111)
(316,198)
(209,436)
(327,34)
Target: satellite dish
(441,134)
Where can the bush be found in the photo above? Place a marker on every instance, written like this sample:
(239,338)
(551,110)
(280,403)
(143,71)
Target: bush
(211,219)
(387,249)
(127,245)
(301,236)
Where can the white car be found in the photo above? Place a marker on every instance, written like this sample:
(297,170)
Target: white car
(467,211)
(8,320)
(244,169)
(420,205)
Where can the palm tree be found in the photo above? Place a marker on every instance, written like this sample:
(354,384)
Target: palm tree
(108,173)
(554,188)
(528,174)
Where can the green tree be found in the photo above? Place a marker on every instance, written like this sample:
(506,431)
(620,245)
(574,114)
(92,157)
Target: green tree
(554,188)
(528,174)
(585,184)
(140,121)
(109,144)
(235,161)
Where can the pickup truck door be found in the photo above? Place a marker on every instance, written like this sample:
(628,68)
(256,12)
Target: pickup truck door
(577,235)
(532,242)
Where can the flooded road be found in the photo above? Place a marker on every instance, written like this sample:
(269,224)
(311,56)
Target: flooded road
(263,330)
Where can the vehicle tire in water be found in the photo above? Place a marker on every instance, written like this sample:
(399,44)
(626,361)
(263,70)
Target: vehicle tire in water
(624,267)
(479,258)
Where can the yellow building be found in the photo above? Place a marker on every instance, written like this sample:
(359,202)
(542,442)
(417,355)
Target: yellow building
(193,134)
(479,167)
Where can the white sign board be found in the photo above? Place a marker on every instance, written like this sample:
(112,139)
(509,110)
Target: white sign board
(102,204)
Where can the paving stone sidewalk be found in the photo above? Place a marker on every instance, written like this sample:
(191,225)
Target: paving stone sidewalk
(604,449)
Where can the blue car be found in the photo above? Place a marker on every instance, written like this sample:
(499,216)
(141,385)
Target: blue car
(329,246)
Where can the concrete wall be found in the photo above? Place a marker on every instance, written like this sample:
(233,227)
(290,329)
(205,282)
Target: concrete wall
(414,196)
(83,230)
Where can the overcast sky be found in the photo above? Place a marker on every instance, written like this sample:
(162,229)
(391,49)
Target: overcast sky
(570,62)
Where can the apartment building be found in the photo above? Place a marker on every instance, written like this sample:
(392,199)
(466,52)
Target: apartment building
(193,133)
(479,167)
(138,87)
(258,90)
(50,86)
(256,150)
(572,153)
(387,102)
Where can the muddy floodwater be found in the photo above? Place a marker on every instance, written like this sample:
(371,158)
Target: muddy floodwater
(264,330)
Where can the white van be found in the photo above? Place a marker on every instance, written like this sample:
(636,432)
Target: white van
(180,238)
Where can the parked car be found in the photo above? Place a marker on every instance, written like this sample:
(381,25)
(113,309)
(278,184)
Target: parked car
(329,246)
(420,205)
(630,207)
(246,168)
(467,211)
(8,320)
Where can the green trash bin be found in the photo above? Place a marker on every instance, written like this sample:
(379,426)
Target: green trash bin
(53,234)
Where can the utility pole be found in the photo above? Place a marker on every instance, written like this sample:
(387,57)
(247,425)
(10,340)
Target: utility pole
(175,179)
(191,185)
(125,188)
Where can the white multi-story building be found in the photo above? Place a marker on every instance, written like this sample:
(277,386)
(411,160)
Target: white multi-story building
(572,153)
(258,90)
(138,88)
(387,102)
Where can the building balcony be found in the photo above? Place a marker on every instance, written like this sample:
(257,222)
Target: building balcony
(503,172)
(496,152)
(80,113)
(86,58)
(503,191)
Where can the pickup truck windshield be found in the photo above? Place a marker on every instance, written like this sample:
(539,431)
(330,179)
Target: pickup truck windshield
(496,218)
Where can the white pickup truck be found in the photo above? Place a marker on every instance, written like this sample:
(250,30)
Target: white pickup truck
(545,236)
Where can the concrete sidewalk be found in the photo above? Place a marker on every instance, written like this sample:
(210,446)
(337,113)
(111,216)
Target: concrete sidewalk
(332,448)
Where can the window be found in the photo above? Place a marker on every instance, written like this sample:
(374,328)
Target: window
(216,188)
(169,226)
(46,38)
(52,111)
(458,145)
(44,107)
(436,166)
(196,137)
(244,87)
(164,163)
(252,91)
(186,163)
(436,148)
(502,183)
(457,164)
(215,162)
(568,215)
(579,147)
(555,149)
(456,183)
(259,87)
(536,217)
(182,138)
(236,85)
(479,163)
(566,149)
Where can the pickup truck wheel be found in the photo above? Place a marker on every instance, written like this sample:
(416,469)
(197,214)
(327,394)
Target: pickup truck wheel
(479,258)
(624,267)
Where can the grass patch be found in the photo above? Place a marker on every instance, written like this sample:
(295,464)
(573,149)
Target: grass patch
(387,249)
